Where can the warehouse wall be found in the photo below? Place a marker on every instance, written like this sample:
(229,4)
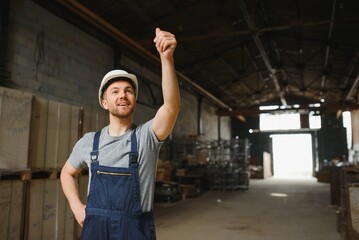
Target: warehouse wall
(214,127)
(187,119)
(66,64)
(49,56)
(225,127)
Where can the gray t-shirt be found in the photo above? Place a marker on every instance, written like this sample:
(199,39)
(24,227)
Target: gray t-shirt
(114,152)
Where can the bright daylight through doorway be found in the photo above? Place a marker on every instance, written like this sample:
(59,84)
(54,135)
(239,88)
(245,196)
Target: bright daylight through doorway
(292,155)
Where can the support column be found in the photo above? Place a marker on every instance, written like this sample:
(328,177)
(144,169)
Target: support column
(4,22)
(219,127)
(304,120)
(199,116)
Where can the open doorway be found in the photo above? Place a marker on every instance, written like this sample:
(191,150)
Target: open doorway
(292,155)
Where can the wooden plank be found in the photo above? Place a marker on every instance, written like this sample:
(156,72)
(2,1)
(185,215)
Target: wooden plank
(38,133)
(36,203)
(53,139)
(75,125)
(15,115)
(94,120)
(11,200)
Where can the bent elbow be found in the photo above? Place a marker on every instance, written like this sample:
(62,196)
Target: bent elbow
(179,108)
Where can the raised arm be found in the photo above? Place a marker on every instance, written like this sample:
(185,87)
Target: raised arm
(166,115)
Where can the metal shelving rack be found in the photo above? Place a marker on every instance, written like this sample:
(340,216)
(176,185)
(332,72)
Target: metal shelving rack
(225,161)
(228,167)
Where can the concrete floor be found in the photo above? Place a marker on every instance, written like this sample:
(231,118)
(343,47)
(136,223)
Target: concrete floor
(304,214)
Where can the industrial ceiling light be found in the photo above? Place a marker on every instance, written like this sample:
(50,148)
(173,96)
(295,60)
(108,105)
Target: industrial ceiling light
(271,107)
(279,195)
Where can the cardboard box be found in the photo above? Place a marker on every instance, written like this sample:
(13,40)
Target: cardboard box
(164,170)
(163,174)
(181,172)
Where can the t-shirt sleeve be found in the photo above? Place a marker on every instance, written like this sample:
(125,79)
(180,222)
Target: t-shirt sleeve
(150,134)
(80,154)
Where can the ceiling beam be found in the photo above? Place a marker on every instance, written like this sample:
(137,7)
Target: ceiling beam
(254,64)
(219,34)
(255,36)
(243,85)
(254,111)
(347,79)
(353,89)
(327,50)
(279,60)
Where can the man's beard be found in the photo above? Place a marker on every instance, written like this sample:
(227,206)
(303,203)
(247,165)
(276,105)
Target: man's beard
(121,114)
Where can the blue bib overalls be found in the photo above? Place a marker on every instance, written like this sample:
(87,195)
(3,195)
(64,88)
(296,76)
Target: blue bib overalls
(113,209)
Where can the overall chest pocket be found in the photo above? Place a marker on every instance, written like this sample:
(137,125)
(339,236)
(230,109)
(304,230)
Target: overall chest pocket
(118,174)
(114,189)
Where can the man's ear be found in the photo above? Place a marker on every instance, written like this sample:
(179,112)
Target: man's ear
(104,104)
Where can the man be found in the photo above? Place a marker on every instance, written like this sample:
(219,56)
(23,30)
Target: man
(122,157)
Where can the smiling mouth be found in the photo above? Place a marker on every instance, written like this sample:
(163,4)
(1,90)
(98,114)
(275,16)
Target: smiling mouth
(123,105)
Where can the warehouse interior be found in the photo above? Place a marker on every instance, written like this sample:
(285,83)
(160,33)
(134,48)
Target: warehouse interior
(266,143)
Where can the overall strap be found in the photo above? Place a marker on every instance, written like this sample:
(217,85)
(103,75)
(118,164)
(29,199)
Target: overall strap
(133,156)
(96,141)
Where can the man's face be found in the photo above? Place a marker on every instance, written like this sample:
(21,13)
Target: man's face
(119,99)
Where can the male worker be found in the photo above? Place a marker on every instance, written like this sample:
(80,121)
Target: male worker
(122,157)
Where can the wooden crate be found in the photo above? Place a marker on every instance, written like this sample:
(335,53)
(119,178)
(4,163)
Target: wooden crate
(15,114)
(49,215)
(188,190)
(37,135)
(93,120)
(54,131)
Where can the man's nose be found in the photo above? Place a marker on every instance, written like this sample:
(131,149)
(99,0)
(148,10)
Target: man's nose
(121,94)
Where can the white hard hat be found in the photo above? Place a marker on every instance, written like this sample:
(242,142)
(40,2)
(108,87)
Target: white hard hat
(117,75)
